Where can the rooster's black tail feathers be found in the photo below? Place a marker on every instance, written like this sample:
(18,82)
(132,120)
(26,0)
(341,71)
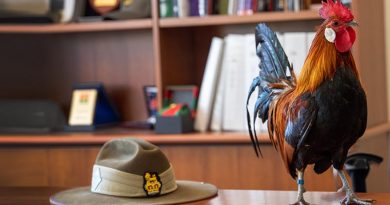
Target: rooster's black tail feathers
(273,71)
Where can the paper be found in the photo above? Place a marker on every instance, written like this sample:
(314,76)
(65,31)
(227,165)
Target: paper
(209,84)
(83,107)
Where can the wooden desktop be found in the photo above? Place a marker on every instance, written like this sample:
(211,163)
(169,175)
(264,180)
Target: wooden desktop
(41,195)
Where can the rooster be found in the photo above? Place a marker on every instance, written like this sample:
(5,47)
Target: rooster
(314,118)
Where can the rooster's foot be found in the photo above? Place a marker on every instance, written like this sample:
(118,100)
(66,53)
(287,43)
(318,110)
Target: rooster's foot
(301,202)
(353,199)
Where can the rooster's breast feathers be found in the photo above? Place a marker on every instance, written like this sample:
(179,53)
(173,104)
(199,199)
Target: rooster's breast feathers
(321,126)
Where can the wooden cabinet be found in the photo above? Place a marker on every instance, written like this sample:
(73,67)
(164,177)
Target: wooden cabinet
(231,164)
(44,61)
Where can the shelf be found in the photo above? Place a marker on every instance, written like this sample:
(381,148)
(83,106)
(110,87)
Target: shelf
(164,23)
(226,20)
(77,27)
(100,137)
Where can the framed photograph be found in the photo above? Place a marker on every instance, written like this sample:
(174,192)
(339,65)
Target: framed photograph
(91,108)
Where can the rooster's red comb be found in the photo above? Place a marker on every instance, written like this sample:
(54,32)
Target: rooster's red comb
(335,9)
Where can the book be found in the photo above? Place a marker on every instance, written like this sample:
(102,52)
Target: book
(278,5)
(232,7)
(217,111)
(234,63)
(252,70)
(175,8)
(248,7)
(309,39)
(245,7)
(298,5)
(202,7)
(166,8)
(209,84)
(238,68)
(241,7)
(222,7)
(194,7)
(280,37)
(254,6)
(183,8)
(295,47)
(210,6)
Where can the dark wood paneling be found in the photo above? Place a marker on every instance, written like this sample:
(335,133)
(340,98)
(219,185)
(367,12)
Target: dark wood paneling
(177,56)
(237,167)
(46,66)
(71,166)
(24,167)
(227,166)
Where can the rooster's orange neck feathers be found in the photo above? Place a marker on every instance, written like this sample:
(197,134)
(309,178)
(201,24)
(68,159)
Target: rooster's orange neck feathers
(323,58)
(321,63)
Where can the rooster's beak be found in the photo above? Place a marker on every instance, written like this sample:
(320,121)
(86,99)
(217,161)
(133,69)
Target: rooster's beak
(352,23)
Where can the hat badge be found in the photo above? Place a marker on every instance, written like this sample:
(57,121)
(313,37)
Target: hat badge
(152,184)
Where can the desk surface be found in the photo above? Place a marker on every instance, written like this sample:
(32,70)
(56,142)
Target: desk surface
(260,197)
(40,195)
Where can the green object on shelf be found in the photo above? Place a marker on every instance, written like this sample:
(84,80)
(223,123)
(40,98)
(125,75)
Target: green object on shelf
(166,8)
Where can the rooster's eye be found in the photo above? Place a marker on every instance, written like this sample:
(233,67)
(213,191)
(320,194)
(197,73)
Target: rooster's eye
(336,23)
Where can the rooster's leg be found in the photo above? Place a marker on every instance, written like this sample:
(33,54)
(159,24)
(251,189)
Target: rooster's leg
(350,197)
(301,190)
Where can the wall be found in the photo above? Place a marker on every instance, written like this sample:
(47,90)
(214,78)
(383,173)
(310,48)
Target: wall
(387,42)
(379,176)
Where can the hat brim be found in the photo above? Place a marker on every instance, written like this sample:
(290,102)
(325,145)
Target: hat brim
(187,191)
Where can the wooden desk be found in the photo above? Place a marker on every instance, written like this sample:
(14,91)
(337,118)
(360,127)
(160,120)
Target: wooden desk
(259,197)
(40,196)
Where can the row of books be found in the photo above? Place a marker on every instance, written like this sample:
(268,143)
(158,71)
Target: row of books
(183,8)
(231,65)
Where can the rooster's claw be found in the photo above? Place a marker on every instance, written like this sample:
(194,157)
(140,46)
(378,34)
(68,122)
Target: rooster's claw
(353,199)
(301,202)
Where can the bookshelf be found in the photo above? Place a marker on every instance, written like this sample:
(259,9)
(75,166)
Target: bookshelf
(278,16)
(138,51)
(43,61)
(78,27)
